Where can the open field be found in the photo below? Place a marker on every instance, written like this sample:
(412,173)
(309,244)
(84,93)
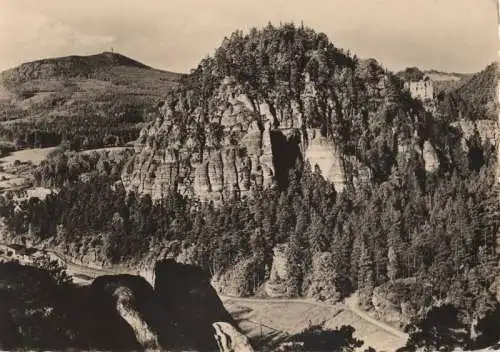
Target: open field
(35,155)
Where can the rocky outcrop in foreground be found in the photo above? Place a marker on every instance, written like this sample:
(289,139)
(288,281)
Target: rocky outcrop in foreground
(119,313)
(229,339)
(246,151)
(182,311)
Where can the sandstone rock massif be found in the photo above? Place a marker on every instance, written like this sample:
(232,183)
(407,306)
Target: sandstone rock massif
(235,141)
(487,130)
(251,150)
(245,146)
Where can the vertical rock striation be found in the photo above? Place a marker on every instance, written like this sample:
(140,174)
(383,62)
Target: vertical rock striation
(230,154)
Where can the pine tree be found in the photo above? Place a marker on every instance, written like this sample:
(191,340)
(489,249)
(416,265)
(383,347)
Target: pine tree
(318,241)
(366,276)
(294,257)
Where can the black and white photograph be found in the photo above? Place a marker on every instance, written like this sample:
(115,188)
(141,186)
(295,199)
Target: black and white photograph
(246,176)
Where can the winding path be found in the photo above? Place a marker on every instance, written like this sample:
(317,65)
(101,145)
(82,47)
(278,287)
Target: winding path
(352,304)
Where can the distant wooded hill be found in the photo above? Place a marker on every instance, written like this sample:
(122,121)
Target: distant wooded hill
(91,101)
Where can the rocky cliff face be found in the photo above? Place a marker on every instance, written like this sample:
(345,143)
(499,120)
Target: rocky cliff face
(280,272)
(243,148)
(279,269)
(247,116)
(486,129)
(173,158)
(431,160)
(245,144)
(126,308)
(326,155)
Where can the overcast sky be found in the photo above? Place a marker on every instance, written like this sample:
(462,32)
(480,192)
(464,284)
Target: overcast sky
(452,35)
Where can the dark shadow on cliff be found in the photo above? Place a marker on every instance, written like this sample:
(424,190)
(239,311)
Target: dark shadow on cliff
(36,312)
(101,325)
(286,152)
(193,303)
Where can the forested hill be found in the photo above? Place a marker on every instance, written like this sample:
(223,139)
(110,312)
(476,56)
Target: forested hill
(328,179)
(475,98)
(92,66)
(90,101)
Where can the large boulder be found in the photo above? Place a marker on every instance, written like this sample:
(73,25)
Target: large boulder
(192,302)
(229,339)
(123,312)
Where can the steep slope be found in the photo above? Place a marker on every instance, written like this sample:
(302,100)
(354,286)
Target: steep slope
(189,298)
(81,98)
(269,100)
(475,98)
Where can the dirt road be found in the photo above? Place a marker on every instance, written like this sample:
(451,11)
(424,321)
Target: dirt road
(352,304)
